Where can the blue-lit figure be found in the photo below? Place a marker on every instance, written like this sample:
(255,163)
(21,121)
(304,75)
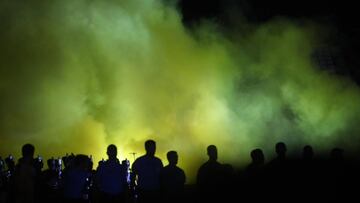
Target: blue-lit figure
(77,179)
(111,178)
(146,174)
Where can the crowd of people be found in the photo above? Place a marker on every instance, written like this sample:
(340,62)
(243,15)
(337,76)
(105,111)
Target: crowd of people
(71,179)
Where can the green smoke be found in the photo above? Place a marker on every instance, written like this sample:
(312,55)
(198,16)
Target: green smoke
(76,76)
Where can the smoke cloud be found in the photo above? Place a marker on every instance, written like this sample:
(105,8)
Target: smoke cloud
(76,76)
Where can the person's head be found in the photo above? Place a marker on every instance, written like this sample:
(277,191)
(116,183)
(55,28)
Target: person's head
(150,147)
(51,163)
(81,161)
(10,162)
(38,163)
(280,149)
(172,157)
(337,154)
(28,151)
(212,152)
(111,151)
(257,156)
(308,152)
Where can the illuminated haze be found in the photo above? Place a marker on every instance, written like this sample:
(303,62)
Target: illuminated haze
(76,76)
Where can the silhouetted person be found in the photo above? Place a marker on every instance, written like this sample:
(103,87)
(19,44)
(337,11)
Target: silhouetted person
(308,153)
(254,177)
(67,160)
(6,177)
(309,175)
(10,163)
(23,188)
(280,149)
(111,178)
(337,155)
(339,175)
(257,164)
(147,169)
(172,179)
(279,164)
(38,164)
(279,174)
(50,182)
(308,166)
(76,178)
(210,176)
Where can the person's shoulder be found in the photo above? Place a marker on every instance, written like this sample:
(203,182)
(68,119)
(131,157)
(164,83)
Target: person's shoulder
(204,165)
(139,160)
(100,168)
(157,159)
(166,169)
(181,172)
(142,158)
(179,169)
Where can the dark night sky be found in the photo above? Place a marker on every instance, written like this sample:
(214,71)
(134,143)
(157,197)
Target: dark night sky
(340,16)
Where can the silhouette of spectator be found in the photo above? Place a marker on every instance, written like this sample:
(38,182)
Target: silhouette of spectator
(111,178)
(76,178)
(6,177)
(23,188)
(309,176)
(172,179)
(254,176)
(10,163)
(210,176)
(338,172)
(257,164)
(38,164)
(50,182)
(146,169)
(308,164)
(279,165)
(337,155)
(67,160)
(280,149)
(308,153)
(279,174)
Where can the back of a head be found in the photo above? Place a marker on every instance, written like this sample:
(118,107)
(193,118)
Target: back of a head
(212,152)
(68,159)
(308,152)
(28,150)
(10,162)
(112,151)
(280,148)
(257,156)
(150,147)
(51,164)
(337,154)
(172,157)
(80,161)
